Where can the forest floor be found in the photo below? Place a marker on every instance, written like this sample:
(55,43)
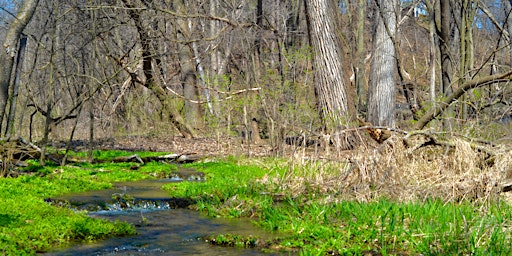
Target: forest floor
(204,147)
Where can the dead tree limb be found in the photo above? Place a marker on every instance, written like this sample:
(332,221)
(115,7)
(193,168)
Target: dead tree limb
(170,158)
(474,83)
(431,139)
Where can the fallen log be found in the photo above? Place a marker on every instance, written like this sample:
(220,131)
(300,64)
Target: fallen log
(170,158)
(506,186)
(132,158)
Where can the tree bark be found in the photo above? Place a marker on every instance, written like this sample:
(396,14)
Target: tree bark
(328,73)
(432,52)
(192,110)
(381,95)
(330,89)
(444,49)
(9,127)
(8,51)
(508,9)
(361,50)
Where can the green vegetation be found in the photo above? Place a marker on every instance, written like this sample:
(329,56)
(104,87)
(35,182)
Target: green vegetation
(279,196)
(29,225)
(314,226)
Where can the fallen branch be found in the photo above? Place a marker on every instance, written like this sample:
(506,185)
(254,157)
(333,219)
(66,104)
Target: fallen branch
(171,158)
(433,141)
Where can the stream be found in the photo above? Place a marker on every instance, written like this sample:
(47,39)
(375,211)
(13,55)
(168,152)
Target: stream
(164,225)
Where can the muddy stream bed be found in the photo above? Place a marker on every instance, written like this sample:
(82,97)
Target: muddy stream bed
(165,226)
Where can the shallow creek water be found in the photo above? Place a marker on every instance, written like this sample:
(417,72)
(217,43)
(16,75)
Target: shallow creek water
(162,229)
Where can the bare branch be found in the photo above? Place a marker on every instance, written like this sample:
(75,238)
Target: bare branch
(474,83)
(202,102)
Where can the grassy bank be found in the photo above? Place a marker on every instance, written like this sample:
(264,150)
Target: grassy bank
(29,225)
(317,207)
(313,225)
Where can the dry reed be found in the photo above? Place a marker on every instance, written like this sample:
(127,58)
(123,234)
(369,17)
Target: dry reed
(454,172)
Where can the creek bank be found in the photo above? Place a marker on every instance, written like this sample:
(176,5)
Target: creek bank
(165,225)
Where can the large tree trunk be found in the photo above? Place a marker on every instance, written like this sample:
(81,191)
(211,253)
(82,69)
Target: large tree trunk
(330,88)
(8,52)
(192,110)
(433,55)
(381,95)
(508,11)
(9,127)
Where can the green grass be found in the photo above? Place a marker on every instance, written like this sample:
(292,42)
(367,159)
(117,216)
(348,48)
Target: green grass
(105,155)
(307,224)
(29,225)
(430,228)
(348,227)
(228,185)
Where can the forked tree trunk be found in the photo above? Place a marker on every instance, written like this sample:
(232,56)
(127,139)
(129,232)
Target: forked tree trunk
(152,82)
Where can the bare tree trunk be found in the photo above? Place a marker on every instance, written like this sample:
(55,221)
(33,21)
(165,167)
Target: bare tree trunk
(508,9)
(192,110)
(468,12)
(152,82)
(9,131)
(330,89)
(445,51)
(433,56)
(293,24)
(215,59)
(361,50)
(200,71)
(381,95)
(8,51)
(90,147)
(50,97)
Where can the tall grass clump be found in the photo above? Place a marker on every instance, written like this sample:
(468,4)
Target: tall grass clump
(451,173)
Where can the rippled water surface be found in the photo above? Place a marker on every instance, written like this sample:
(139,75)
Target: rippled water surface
(161,230)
